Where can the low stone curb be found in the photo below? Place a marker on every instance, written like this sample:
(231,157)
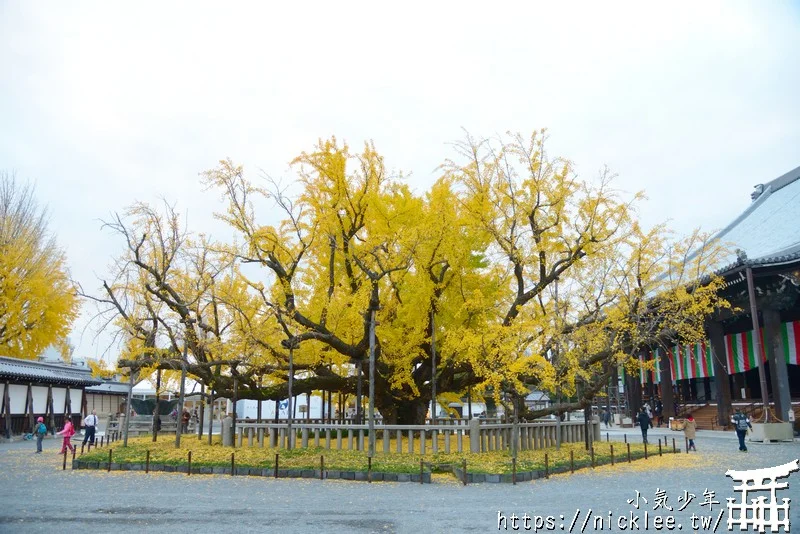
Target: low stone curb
(330,474)
(526,476)
(333,474)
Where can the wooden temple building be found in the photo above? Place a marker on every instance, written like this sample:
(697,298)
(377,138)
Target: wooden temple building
(56,391)
(709,378)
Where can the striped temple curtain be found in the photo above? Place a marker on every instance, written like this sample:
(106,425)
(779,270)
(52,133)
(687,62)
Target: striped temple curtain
(696,361)
(791,342)
(740,351)
(645,374)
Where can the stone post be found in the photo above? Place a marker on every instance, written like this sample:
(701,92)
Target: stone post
(227,431)
(475,435)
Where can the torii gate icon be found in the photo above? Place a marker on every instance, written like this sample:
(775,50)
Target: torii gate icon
(759,513)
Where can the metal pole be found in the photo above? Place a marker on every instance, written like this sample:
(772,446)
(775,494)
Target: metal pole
(616,375)
(359,391)
(555,356)
(289,405)
(210,413)
(156,414)
(433,367)
(179,429)
(131,379)
(515,430)
(202,413)
(258,409)
(235,400)
(762,376)
(372,384)
(558,419)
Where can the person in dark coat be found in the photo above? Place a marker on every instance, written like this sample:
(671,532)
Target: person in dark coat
(659,411)
(644,423)
(741,423)
(185,418)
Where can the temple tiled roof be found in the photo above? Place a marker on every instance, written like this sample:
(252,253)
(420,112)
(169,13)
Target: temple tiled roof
(13,369)
(768,232)
(109,388)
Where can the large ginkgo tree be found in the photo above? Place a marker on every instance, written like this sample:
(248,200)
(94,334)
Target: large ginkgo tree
(510,270)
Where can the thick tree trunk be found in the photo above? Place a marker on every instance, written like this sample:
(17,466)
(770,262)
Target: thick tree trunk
(411,412)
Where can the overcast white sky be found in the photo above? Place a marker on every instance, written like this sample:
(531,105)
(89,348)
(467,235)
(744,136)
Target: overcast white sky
(102,104)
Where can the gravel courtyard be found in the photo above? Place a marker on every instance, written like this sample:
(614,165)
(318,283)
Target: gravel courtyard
(37,496)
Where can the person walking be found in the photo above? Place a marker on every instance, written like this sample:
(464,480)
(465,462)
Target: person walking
(644,423)
(741,423)
(68,431)
(90,426)
(185,418)
(40,430)
(156,421)
(607,417)
(659,412)
(690,431)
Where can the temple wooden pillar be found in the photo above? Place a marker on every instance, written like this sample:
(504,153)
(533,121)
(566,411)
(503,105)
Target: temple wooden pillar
(67,406)
(29,406)
(5,411)
(634,388)
(49,411)
(716,335)
(651,388)
(778,373)
(667,396)
(85,405)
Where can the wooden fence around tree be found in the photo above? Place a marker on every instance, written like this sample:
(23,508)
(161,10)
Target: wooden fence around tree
(478,436)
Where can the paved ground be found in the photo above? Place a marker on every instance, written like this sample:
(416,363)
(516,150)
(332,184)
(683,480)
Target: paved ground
(36,496)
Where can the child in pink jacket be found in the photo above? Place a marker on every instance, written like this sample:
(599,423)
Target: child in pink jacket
(68,431)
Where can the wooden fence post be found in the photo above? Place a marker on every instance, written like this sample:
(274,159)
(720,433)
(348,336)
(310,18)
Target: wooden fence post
(514,470)
(546,466)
